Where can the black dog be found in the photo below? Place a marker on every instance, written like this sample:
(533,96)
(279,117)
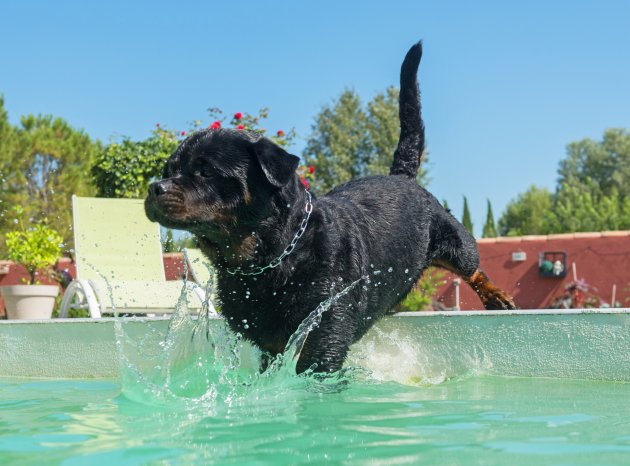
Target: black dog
(279,251)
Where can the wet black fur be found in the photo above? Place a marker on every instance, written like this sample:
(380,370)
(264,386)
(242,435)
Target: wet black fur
(239,194)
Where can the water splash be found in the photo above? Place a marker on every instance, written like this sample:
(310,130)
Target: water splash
(289,358)
(201,362)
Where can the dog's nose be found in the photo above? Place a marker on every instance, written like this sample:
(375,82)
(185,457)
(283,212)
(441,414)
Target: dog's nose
(158,188)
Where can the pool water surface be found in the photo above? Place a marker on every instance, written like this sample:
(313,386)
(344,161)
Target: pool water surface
(297,420)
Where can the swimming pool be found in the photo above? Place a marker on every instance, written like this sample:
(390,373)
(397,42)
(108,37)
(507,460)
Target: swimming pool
(471,420)
(428,389)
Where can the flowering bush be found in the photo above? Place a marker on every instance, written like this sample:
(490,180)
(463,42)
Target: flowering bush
(126,168)
(248,122)
(578,294)
(306,175)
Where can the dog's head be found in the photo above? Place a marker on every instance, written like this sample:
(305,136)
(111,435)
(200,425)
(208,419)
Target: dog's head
(219,182)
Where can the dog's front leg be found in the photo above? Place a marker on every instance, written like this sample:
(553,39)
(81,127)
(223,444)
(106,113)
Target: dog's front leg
(326,347)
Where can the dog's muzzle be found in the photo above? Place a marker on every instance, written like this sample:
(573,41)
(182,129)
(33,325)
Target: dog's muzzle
(160,188)
(164,202)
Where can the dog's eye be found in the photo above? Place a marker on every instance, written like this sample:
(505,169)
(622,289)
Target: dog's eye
(204,171)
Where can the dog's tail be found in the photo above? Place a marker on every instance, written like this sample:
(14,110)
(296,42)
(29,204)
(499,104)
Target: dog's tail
(411,142)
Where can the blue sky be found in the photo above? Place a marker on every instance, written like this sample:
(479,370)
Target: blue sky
(505,85)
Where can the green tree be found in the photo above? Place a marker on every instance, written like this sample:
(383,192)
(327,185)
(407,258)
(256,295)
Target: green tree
(7,133)
(489,229)
(350,139)
(584,207)
(528,214)
(592,194)
(339,143)
(8,140)
(605,162)
(466,219)
(43,163)
(383,129)
(168,242)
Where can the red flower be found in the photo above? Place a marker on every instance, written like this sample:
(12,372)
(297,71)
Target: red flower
(183,133)
(280,133)
(215,125)
(240,127)
(311,169)
(305,183)
(238,115)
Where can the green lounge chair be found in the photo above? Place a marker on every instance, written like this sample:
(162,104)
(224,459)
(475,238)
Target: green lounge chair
(199,266)
(119,262)
(201,270)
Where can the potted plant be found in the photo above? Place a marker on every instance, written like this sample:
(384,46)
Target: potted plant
(37,248)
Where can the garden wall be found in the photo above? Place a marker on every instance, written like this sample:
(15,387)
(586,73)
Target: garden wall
(601,259)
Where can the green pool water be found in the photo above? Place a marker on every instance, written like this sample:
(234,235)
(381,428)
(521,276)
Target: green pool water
(471,420)
(193,395)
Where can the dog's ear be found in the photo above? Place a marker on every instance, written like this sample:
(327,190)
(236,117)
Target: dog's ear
(276,163)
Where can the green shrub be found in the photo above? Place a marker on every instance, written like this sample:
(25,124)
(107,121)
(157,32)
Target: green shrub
(37,248)
(422,295)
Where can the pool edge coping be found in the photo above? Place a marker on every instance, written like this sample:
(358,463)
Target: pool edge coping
(423,314)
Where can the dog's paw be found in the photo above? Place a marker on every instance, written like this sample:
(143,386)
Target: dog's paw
(499,302)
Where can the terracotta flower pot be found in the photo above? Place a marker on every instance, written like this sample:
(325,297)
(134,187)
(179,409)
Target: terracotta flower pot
(29,301)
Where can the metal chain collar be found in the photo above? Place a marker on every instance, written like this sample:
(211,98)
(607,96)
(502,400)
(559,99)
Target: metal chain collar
(288,250)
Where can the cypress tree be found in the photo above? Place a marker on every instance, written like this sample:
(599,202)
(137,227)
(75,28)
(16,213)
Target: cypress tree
(490,228)
(466,220)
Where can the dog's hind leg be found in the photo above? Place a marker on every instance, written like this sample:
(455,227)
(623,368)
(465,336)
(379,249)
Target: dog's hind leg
(491,295)
(454,249)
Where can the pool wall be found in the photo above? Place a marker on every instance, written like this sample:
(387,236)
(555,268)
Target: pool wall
(581,344)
